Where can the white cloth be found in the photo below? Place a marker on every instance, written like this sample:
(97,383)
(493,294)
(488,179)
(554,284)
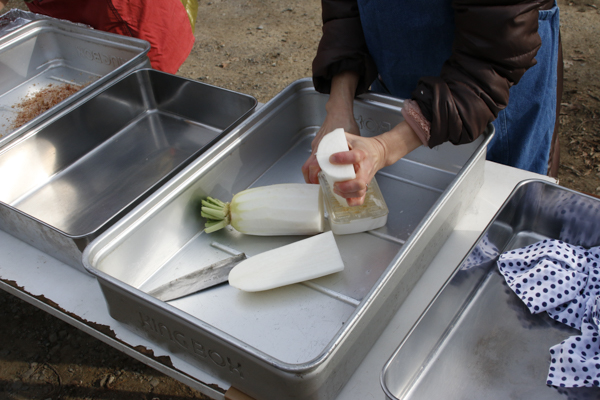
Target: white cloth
(564,281)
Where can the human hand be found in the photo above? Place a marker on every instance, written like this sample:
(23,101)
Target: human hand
(340,114)
(369,155)
(334,120)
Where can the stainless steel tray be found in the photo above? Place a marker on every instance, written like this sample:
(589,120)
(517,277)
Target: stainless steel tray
(477,340)
(67,180)
(56,52)
(302,341)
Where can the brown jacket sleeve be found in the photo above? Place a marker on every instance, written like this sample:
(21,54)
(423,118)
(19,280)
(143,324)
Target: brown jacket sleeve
(342,47)
(495,43)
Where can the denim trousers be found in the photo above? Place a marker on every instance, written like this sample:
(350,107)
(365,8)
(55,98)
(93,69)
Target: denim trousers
(413,38)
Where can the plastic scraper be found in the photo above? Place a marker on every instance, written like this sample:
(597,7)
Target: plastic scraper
(196,281)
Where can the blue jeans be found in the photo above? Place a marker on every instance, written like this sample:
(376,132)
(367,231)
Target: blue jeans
(414,38)
(524,129)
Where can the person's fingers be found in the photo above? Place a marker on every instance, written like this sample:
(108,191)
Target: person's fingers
(311,169)
(347,157)
(355,201)
(352,188)
(337,117)
(314,173)
(306,168)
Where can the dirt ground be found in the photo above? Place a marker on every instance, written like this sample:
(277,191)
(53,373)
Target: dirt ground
(258,47)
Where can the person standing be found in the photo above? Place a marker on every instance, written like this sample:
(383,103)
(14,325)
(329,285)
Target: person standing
(457,63)
(167,24)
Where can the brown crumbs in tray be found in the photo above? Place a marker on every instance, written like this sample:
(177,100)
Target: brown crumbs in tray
(41,101)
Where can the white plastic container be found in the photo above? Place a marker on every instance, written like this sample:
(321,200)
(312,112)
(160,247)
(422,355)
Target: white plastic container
(344,220)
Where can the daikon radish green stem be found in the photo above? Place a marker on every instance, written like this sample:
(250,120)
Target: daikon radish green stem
(297,262)
(283,209)
(217,214)
(214,209)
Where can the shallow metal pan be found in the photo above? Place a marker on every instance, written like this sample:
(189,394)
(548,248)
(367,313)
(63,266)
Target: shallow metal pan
(55,52)
(477,340)
(66,181)
(302,341)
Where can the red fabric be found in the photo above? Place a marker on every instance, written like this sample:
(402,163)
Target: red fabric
(163,23)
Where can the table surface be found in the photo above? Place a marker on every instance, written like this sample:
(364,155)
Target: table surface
(76,298)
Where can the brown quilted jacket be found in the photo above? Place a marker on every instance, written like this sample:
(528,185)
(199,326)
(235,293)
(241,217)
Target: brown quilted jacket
(495,43)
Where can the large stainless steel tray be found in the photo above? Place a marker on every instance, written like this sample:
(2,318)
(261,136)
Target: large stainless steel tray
(302,341)
(477,340)
(67,180)
(55,52)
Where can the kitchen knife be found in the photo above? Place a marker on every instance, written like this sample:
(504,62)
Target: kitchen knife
(196,281)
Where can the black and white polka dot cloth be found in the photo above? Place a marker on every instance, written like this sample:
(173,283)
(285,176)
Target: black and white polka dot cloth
(484,252)
(564,281)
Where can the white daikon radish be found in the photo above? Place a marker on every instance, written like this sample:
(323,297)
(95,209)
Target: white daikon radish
(296,262)
(334,142)
(283,209)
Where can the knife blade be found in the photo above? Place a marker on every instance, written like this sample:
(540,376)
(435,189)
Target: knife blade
(196,281)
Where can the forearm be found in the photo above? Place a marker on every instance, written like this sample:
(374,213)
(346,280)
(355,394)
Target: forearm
(341,98)
(394,144)
(398,142)
(340,114)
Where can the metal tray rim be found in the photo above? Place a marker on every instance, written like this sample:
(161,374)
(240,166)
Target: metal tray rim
(387,365)
(157,199)
(41,125)
(33,28)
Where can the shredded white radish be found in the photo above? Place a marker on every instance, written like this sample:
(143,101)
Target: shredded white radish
(296,262)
